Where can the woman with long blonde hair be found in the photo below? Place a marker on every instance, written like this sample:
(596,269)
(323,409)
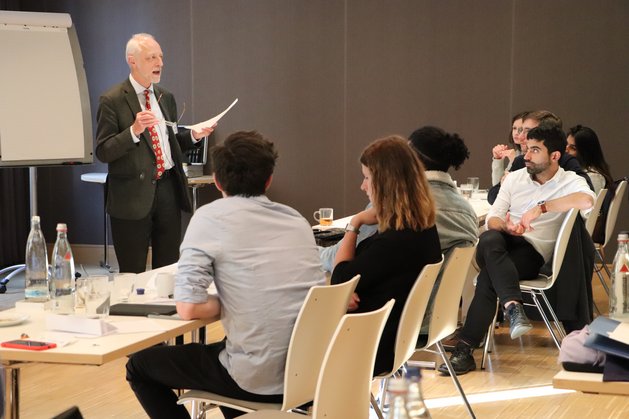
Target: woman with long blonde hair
(407,240)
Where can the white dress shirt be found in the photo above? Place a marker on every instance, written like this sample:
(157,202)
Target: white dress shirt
(519,193)
(162,131)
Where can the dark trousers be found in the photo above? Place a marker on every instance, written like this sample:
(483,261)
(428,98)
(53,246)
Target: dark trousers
(161,228)
(154,372)
(504,260)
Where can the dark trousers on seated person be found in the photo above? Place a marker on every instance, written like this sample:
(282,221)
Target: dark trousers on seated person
(154,372)
(504,260)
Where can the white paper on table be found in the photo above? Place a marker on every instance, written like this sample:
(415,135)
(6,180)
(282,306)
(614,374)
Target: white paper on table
(210,122)
(61,339)
(621,333)
(136,326)
(76,324)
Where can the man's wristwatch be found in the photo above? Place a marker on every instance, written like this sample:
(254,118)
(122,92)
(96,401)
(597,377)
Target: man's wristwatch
(542,206)
(351,228)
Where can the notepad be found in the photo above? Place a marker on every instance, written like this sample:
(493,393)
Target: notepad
(125,309)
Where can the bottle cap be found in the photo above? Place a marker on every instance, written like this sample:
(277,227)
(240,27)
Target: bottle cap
(413,372)
(62,227)
(623,237)
(35,218)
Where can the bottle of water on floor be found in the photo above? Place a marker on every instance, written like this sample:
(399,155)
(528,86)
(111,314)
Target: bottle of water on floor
(415,404)
(37,286)
(619,291)
(397,391)
(62,277)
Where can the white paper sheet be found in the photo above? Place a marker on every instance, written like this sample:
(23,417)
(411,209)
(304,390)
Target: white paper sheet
(210,122)
(621,333)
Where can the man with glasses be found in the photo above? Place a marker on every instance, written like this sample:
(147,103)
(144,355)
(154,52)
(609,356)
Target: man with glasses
(138,138)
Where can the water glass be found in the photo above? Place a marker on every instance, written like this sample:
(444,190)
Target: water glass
(475,182)
(466,190)
(123,286)
(80,295)
(98,296)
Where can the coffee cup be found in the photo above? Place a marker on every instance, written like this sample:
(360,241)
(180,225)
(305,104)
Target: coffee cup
(324,216)
(164,284)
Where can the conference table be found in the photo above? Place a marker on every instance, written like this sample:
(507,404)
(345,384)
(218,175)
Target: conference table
(133,334)
(480,206)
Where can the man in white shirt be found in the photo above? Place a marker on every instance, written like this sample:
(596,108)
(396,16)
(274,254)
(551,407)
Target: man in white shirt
(262,257)
(522,225)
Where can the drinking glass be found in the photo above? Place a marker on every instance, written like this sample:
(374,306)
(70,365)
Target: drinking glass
(123,286)
(475,182)
(98,296)
(324,216)
(466,190)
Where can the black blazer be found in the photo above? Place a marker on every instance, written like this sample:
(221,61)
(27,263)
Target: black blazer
(131,180)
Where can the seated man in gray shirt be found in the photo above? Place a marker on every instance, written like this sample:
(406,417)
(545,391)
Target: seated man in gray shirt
(263,259)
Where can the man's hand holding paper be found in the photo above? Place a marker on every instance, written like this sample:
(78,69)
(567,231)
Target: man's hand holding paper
(211,123)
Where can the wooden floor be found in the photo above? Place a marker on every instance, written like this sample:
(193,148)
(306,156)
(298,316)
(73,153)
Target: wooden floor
(526,363)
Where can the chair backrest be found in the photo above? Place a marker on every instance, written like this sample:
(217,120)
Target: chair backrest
(562,243)
(316,322)
(413,315)
(596,211)
(445,310)
(614,208)
(344,385)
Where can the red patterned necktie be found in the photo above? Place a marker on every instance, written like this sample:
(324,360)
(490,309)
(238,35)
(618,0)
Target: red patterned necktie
(157,148)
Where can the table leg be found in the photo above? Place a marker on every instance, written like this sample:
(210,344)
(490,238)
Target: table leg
(105,261)
(194,198)
(12,392)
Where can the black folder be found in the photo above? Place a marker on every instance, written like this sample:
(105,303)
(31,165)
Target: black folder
(125,309)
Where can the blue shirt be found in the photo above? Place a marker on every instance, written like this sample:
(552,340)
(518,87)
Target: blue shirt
(263,259)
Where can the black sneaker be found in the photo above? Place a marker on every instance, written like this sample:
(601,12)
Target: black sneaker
(519,324)
(462,360)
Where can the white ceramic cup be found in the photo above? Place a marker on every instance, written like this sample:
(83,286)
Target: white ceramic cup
(164,284)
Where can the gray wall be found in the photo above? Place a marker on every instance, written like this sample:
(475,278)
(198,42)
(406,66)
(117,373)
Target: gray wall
(324,78)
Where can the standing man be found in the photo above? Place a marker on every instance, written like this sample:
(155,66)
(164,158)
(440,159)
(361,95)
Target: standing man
(263,259)
(137,136)
(522,227)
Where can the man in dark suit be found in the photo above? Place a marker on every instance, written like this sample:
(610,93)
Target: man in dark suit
(137,136)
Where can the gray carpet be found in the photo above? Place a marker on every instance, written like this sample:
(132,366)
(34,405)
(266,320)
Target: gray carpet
(15,287)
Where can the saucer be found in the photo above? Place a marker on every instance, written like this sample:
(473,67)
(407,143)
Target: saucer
(13,319)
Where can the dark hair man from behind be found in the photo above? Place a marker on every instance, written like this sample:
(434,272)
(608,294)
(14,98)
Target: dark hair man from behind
(244,163)
(551,134)
(439,150)
(262,257)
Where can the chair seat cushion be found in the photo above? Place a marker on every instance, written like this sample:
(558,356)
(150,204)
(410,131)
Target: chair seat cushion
(542,282)
(217,399)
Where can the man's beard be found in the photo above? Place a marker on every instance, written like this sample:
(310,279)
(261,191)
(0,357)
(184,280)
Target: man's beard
(535,169)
